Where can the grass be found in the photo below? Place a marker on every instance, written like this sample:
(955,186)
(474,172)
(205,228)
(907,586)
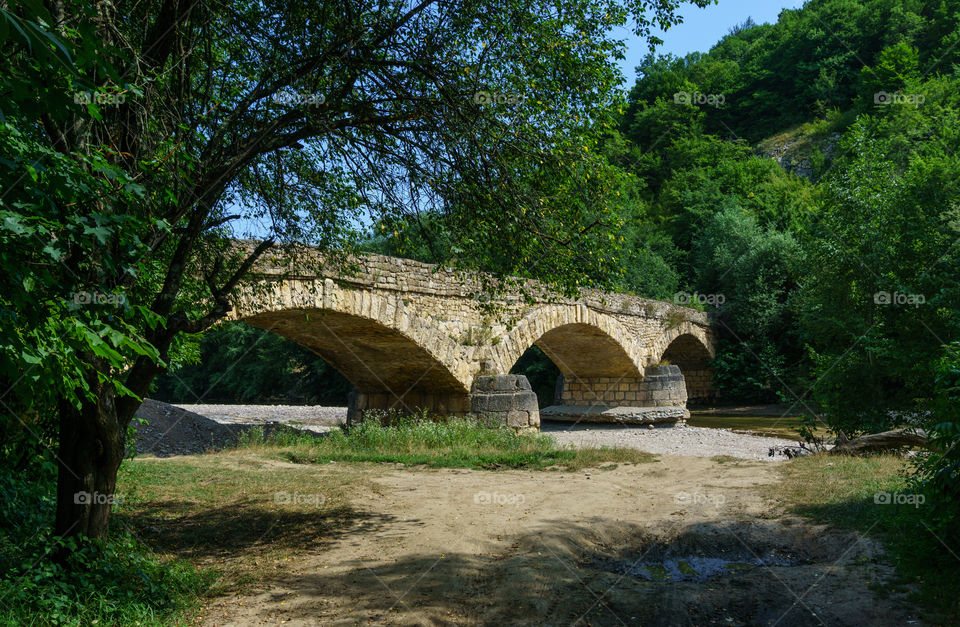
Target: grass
(236,512)
(842,492)
(454,443)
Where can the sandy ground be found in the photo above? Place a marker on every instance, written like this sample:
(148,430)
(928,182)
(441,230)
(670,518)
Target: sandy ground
(462,547)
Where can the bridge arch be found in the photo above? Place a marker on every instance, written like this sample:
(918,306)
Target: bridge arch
(691,352)
(684,339)
(394,359)
(371,355)
(579,341)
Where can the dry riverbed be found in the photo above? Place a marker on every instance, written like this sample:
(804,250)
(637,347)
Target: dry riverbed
(696,536)
(681,540)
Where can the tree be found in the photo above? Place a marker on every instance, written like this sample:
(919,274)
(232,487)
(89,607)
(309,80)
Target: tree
(880,296)
(291,122)
(754,271)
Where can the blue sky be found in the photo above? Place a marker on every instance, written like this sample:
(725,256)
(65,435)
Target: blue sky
(702,28)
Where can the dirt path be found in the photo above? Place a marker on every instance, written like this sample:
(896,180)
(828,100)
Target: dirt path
(623,545)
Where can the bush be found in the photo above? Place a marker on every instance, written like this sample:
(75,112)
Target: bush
(120,582)
(938,474)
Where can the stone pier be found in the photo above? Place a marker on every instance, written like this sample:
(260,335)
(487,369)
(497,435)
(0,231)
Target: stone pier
(658,398)
(503,399)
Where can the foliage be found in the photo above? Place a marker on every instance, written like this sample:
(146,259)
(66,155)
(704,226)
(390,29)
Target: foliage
(119,582)
(753,272)
(938,474)
(540,372)
(775,76)
(880,291)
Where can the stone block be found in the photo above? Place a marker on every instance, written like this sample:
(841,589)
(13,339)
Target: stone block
(506,399)
(518,418)
(484,403)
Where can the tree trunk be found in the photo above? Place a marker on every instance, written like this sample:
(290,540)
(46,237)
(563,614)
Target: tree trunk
(92,441)
(897,438)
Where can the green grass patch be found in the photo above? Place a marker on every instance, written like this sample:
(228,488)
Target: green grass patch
(686,568)
(851,492)
(454,443)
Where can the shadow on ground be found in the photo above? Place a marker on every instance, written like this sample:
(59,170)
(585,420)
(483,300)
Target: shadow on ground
(233,530)
(602,572)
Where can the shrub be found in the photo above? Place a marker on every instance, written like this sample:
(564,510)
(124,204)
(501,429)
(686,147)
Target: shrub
(938,474)
(120,582)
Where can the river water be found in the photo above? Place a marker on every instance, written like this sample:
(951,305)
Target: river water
(773,426)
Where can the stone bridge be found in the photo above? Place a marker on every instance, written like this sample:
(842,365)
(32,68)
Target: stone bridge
(411,335)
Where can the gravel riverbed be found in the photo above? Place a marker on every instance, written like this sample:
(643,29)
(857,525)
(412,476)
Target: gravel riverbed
(668,440)
(190,429)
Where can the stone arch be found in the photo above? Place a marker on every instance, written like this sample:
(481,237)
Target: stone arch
(373,356)
(692,354)
(695,332)
(581,342)
(394,358)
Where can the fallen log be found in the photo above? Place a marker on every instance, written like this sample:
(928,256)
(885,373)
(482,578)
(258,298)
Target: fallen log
(885,441)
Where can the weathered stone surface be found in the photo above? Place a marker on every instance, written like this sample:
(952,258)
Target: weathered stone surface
(616,415)
(661,386)
(411,336)
(506,399)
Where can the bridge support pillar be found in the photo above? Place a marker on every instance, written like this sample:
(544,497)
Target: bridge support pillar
(503,399)
(507,399)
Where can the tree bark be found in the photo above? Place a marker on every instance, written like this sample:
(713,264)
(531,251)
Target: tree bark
(897,438)
(92,445)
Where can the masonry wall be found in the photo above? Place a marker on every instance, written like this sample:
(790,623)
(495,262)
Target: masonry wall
(661,387)
(699,384)
(452,301)
(444,404)
(392,323)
